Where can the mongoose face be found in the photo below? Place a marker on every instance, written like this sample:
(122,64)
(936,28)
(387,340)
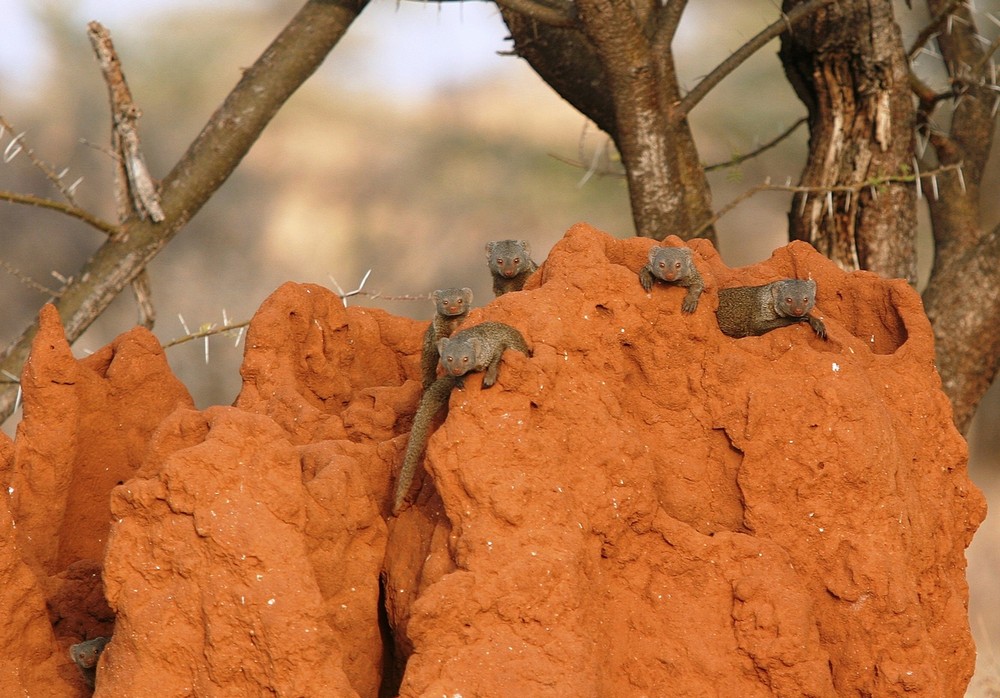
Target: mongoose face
(794,297)
(670,263)
(457,357)
(508,257)
(452,301)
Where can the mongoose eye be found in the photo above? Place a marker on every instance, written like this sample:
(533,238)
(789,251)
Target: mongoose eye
(677,265)
(516,260)
(662,264)
(788,300)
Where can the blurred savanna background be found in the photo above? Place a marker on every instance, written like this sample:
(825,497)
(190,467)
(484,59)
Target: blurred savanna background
(418,141)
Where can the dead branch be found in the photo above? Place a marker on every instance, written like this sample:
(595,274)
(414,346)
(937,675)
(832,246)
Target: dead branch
(125,132)
(263,89)
(50,174)
(740,55)
(873,184)
(70,210)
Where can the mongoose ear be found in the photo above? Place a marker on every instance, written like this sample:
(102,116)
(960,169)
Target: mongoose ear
(490,246)
(436,295)
(652,253)
(476,344)
(442,343)
(467,292)
(526,246)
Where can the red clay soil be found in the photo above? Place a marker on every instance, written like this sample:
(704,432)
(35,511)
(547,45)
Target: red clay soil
(644,507)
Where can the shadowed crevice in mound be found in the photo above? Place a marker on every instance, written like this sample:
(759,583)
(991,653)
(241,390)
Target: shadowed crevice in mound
(643,507)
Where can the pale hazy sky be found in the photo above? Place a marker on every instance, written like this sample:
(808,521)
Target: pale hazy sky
(412,47)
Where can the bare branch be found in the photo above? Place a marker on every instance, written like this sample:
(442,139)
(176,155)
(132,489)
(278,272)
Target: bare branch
(931,29)
(873,183)
(563,16)
(744,52)
(293,56)
(69,210)
(125,132)
(206,331)
(757,151)
(27,280)
(50,174)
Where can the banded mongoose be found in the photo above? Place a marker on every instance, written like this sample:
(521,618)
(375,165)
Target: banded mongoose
(510,264)
(472,349)
(452,306)
(674,265)
(85,655)
(746,311)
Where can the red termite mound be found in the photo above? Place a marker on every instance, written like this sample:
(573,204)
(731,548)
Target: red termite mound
(644,507)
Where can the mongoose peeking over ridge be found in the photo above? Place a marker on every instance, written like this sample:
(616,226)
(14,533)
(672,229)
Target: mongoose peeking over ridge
(85,655)
(472,349)
(510,264)
(674,265)
(746,311)
(452,306)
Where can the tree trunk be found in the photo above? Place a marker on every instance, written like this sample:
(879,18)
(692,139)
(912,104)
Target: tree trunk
(962,297)
(618,70)
(849,68)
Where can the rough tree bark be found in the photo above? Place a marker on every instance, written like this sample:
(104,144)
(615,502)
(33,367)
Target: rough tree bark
(962,297)
(611,59)
(849,69)
(294,55)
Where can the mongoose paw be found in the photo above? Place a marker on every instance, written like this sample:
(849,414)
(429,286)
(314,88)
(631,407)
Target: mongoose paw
(689,305)
(818,327)
(646,279)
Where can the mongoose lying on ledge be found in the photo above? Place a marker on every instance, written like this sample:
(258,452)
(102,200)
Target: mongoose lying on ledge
(746,311)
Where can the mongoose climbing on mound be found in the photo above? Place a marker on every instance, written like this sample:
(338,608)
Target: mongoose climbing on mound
(510,264)
(85,655)
(674,265)
(746,311)
(473,349)
(452,306)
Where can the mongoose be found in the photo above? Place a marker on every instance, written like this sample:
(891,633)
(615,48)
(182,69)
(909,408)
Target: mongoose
(746,311)
(510,264)
(452,307)
(675,266)
(85,655)
(473,349)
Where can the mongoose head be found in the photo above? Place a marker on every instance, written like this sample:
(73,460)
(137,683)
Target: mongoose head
(452,301)
(670,263)
(508,257)
(458,356)
(793,297)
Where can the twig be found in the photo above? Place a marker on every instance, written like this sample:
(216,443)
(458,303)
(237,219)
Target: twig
(78,213)
(50,174)
(125,132)
(27,280)
(564,16)
(827,191)
(777,28)
(761,149)
(205,331)
(593,170)
(931,29)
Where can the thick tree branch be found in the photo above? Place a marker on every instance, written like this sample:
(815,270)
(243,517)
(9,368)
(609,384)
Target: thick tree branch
(963,304)
(738,57)
(293,56)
